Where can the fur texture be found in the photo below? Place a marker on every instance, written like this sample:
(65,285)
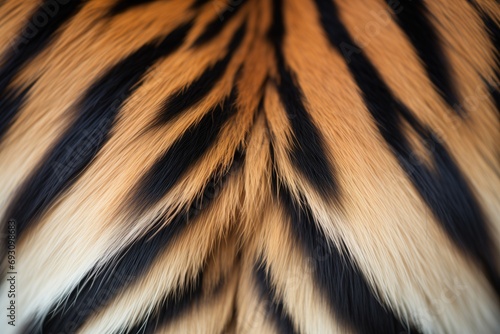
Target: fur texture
(250,166)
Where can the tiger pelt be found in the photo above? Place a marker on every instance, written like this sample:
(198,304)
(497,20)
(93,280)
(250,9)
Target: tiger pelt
(250,166)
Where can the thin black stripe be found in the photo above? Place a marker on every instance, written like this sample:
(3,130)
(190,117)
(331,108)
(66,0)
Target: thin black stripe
(99,286)
(97,290)
(214,27)
(491,26)
(11,101)
(443,188)
(307,152)
(39,31)
(124,5)
(187,97)
(495,92)
(413,18)
(198,138)
(338,276)
(494,35)
(274,307)
(86,136)
(174,305)
(178,302)
(185,152)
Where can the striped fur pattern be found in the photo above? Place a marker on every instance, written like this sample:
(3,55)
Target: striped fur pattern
(250,166)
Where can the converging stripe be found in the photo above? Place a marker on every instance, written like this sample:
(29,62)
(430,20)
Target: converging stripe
(414,19)
(41,29)
(339,278)
(493,30)
(172,306)
(96,113)
(443,188)
(189,96)
(186,151)
(308,153)
(98,288)
(274,307)
(215,26)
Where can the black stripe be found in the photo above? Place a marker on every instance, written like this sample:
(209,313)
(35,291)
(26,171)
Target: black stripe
(199,3)
(308,153)
(443,188)
(187,97)
(494,34)
(124,5)
(185,152)
(96,291)
(39,31)
(11,101)
(214,27)
(413,18)
(76,149)
(231,322)
(99,286)
(338,276)
(274,307)
(198,138)
(178,302)
(490,24)
(174,305)
(495,93)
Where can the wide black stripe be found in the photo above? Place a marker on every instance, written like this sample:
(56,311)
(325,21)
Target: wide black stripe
(338,276)
(443,187)
(124,5)
(99,286)
(187,97)
(214,27)
(185,152)
(174,305)
(413,18)
(38,32)
(96,113)
(274,307)
(308,153)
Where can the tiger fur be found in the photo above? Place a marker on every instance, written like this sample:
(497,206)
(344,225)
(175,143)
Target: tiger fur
(250,166)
